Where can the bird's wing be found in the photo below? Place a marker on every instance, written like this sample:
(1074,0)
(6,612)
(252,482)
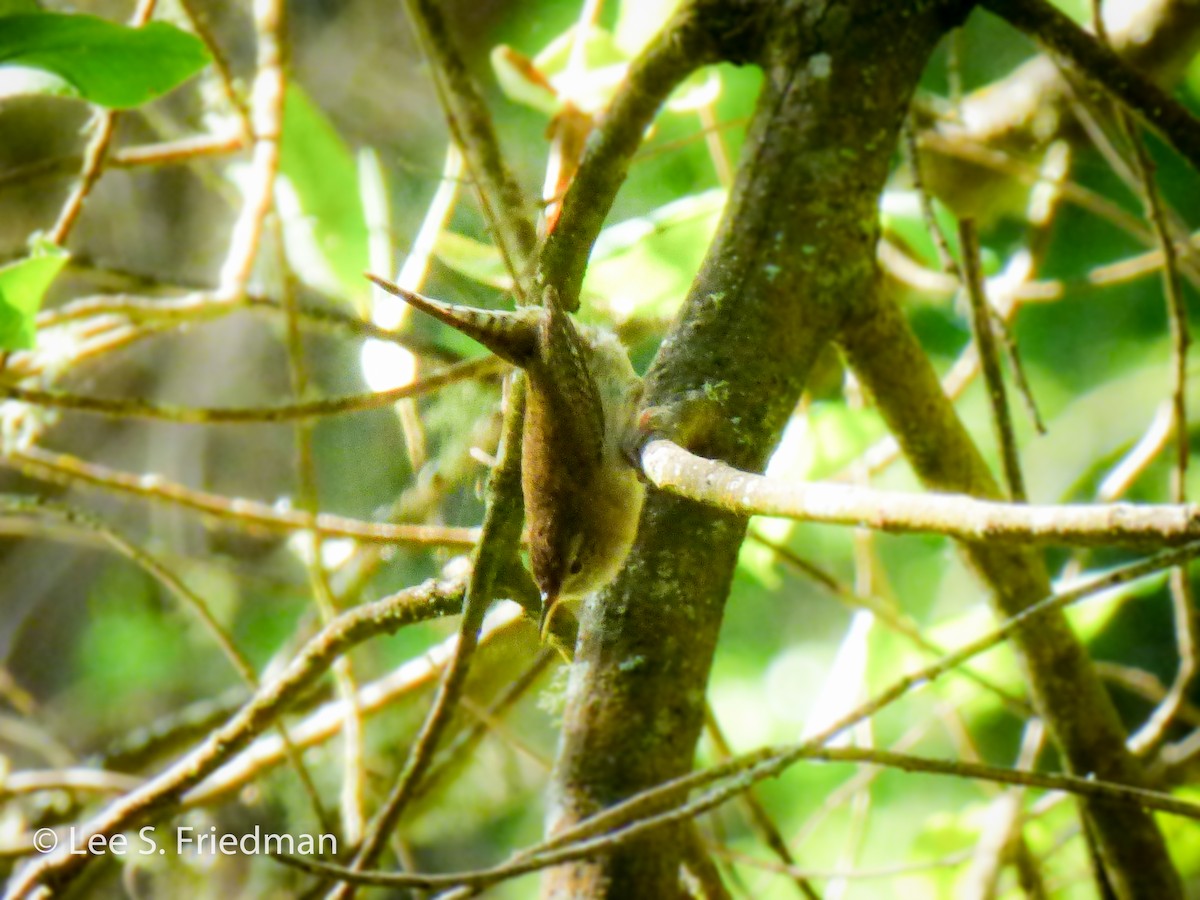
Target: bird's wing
(569,384)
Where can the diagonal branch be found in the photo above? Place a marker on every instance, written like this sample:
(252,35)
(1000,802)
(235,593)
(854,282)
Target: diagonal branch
(58,869)
(470,123)
(701,32)
(878,343)
(1056,32)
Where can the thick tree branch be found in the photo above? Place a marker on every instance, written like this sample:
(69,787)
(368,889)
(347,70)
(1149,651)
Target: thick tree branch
(1065,689)
(702,32)
(797,239)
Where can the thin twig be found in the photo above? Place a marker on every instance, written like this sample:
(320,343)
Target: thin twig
(950,861)
(755,767)
(85,522)
(985,340)
(202,307)
(176,152)
(132,408)
(1187,628)
(1012,352)
(765,764)
(913,156)
(1055,31)
(1121,477)
(679,49)
(962,146)
(760,819)
(891,617)
(460,747)
(964,369)
(198,20)
(498,542)
(74,780)
(325,722)
(391,312)
(470,122)
(1145,685)
(103,127)
(267,113)
(505,208)
(161,153)
(250,514)
(163,791)
(266,105)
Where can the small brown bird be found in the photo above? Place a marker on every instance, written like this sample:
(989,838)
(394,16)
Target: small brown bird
(583,498)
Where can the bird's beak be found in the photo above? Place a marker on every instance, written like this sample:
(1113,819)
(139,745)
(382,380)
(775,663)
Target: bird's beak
(549,604)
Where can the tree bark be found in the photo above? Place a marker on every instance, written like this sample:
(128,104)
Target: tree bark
(792,259)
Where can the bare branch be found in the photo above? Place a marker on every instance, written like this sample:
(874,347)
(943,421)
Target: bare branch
(163,791)
(1108,71)
(716,484)
(132,408)
(250,514)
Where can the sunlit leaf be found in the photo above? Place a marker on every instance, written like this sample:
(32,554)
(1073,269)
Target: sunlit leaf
(638,21)
(544,81)
(99,61)
(702,88)
(521,81)
(23,284)
(599,50)
(478,261)
(646,264)
(324,225)
(18,81)
(902,218)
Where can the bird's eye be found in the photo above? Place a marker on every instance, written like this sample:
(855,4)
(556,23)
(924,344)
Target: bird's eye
(577,567)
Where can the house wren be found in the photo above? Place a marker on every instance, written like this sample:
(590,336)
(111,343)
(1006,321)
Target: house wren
(582,496)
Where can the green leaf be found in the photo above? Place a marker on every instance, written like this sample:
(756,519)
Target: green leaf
(23,284)
(519,83)
(646,264)
(327,235)
(525,81)
(701,88)
(478,261)
(599,51)
(902,218)
(99,61)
